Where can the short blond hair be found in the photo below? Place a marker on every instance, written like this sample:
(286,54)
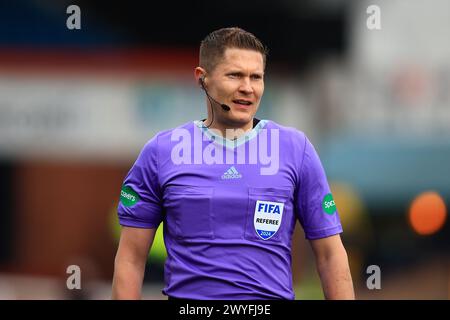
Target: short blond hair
(213,47)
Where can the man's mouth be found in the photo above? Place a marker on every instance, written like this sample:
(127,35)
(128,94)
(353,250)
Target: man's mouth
(242,102)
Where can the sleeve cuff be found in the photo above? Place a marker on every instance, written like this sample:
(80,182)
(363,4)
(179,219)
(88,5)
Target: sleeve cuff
(323,233)
(137,224)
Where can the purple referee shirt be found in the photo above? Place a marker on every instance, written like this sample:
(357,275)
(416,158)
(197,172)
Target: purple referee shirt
(229,207)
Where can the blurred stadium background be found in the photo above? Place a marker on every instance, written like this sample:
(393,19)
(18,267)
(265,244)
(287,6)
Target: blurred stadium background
(76,106)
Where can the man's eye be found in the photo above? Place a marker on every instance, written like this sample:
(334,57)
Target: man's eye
(234,75)
(256,77)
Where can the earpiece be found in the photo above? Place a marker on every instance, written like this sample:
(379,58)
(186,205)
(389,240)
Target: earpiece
(201,81)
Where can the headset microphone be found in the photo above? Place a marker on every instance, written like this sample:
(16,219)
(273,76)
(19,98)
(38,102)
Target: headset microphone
(222,105)
(225,107)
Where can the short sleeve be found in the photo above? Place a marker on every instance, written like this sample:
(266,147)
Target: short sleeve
(140,196)
(315,206)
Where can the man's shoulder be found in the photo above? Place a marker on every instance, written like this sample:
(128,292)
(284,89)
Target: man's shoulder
(287,133)
(168,133)
(161,139)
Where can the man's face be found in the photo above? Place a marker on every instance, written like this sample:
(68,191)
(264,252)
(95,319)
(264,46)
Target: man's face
(238,81)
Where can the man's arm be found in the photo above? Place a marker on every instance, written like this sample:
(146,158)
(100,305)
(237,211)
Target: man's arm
(333,268)
(129,264)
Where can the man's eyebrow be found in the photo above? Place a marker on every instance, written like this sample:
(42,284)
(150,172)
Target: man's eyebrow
(231,71)
(234,72)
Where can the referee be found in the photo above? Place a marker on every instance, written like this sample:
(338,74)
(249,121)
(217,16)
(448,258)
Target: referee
(229,190)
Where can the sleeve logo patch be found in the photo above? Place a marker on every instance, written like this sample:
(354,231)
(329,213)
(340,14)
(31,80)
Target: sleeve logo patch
(328,205)
(128,197)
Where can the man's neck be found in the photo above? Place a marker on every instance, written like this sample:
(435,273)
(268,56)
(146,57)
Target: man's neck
(231,132)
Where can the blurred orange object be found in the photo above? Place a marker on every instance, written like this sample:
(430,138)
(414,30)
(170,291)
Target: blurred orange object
(427,213)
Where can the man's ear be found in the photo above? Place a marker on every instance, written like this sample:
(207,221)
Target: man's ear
(199,73)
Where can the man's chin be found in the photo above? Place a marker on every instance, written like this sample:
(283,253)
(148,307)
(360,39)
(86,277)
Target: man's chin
(240,119)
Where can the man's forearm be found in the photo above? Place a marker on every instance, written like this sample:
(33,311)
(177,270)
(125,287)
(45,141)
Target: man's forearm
(127,280)
(335,276)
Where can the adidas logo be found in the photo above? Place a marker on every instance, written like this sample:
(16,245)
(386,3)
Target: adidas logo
(231,173)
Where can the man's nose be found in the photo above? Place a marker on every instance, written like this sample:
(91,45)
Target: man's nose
(246,86)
